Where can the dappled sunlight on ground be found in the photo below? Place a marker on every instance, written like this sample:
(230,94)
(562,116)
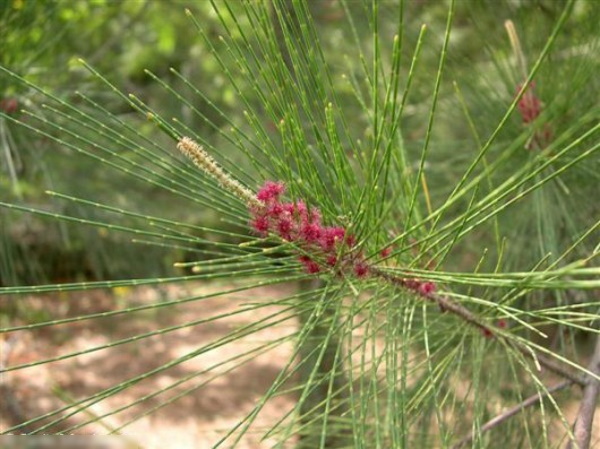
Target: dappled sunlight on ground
(223,392)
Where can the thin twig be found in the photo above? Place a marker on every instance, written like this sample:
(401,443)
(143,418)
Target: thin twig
(448,305)
(499,419)
(582,429)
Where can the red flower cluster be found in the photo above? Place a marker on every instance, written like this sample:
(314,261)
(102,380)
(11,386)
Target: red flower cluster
(323,246)
(385,252)
(9,105)
(529,105)
(295,222)
(423,288)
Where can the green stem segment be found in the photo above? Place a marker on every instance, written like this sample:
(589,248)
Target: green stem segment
(324,380)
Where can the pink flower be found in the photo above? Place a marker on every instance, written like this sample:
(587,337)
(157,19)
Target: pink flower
(302,210)
(9,105)
(361,269)
(426,288)
(310,232)
(288,208)
(270,191)
(331,260)
(529,105)
(386,252)
(310,265)
(412,284)
(331,235)
(530,108)
(260,224)
(422,288)
(351,240)
(275,210)
(285,227)
(315,216)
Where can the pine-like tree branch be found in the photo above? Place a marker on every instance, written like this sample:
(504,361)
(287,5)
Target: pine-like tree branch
(448,305)
(267,211)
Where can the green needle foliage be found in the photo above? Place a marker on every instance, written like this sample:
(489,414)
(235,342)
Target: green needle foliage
(464,277)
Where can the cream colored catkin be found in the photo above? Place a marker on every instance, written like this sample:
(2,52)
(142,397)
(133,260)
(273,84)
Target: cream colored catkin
(201,159)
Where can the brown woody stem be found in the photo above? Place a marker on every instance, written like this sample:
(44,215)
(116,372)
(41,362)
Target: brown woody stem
(448,305)
(497,420)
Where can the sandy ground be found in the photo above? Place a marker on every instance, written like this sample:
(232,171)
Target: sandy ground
(225,381)
(223,393)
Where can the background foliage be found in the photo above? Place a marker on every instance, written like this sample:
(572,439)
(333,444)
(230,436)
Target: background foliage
(411,140)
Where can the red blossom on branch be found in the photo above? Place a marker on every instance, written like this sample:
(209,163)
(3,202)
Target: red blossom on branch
(295,222)
(9,105)
(323,247)
(361,269)
(270,191)
(530,108)
(385,252)
(529,105)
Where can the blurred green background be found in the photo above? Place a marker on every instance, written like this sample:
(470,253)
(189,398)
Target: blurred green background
(43,40)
